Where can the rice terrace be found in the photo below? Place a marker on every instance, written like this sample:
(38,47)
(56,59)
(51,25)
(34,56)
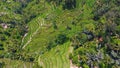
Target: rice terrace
(59,33)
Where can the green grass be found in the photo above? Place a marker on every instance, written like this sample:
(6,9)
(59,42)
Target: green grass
(56,58)
(33,26)
(16,63)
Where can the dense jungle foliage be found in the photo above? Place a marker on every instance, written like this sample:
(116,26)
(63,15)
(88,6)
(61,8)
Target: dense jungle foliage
(32,30)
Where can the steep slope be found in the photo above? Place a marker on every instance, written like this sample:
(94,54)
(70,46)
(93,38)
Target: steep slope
(57,33)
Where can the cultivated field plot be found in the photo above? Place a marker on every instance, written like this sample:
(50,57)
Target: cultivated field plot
(56,58)
(16,64)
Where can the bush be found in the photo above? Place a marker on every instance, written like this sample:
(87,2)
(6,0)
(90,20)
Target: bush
(85,66)
(2,64)
(69,4)
(54,25)
(50,45)
(102,65)
(60,39)
(75,60)
(70,56)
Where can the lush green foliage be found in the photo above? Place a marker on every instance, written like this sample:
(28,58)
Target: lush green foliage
(43,31)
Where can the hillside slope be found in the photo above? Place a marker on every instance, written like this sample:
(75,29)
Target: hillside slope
(59,33)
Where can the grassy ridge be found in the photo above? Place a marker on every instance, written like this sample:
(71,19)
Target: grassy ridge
(16,63)
(56,58)
(33,26)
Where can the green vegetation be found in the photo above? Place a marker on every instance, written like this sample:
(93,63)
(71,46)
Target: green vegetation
(59,33)
(56,57)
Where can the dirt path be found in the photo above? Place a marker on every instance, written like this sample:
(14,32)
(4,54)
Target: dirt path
(32,34)
(24,38)
(71,64)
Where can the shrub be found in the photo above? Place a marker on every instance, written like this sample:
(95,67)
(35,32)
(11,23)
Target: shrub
(70,56)
(69,4)
(60,39)
(2,64)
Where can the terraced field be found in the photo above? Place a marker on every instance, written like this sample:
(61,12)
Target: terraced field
(34,27)
(16,63)
(56,58)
